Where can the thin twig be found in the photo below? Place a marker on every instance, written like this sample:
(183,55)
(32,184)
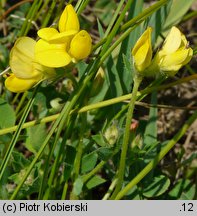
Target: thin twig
(13,8)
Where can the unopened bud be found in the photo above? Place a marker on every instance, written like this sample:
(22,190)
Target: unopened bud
(97,82)
(111,134)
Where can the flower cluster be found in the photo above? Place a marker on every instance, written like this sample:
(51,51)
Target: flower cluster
(59,48)
(34,61)
(174,54)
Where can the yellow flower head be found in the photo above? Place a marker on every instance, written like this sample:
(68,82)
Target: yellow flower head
(175,52)
(142,51)
(59,48)
(26,72)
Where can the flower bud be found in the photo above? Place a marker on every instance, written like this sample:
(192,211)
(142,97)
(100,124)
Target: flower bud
(68,20)
(142,51)
(111,134)
(81,45)
(97,82)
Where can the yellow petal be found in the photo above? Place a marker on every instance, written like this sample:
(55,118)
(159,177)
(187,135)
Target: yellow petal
(81,45)
(173,40)
(47,33)
(63,37)
(144,37)
(69,20)
(189,56)
(51,55)
(142,51)
(176,60)
(22,58)
(184,41)
(17,85)
(26,46)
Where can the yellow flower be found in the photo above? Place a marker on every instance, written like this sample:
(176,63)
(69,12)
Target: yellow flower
(174,54)
(142,51)
(59,48)
(26,72)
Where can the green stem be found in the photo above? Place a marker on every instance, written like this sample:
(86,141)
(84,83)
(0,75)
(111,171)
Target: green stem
(55,164)
(142,15)
(126,137)
(160,156)
(115,28)
(101,104)
(81,6)
(15,98)
(111,188)
(21,102)
(64,191)
(49,14)
(86,177)
(30,124)
(77,163)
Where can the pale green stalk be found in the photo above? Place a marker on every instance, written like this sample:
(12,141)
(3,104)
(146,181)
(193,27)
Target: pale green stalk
(126,136)
(80,6)
(21,103)
(49,13)
(111,188)
(77,164)
(100,104)
(55,164)
(33,15)
(147,11)
(115,28)
(98,167)
(30,15)
(159,157)
(64,191)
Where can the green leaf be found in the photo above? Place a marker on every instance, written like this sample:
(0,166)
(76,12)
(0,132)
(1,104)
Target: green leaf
(178,9)
(89,162)
(95,181)
(128,66)
(19,161)
(184,189)
(150,136)
(100,29)
(35,137)
(69,161)
(81,66)
(156,187)
(99,139)
(32,183)
(158,19)
(77,187)
(7,114)
(107,10)
(133,193)
(104,153)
